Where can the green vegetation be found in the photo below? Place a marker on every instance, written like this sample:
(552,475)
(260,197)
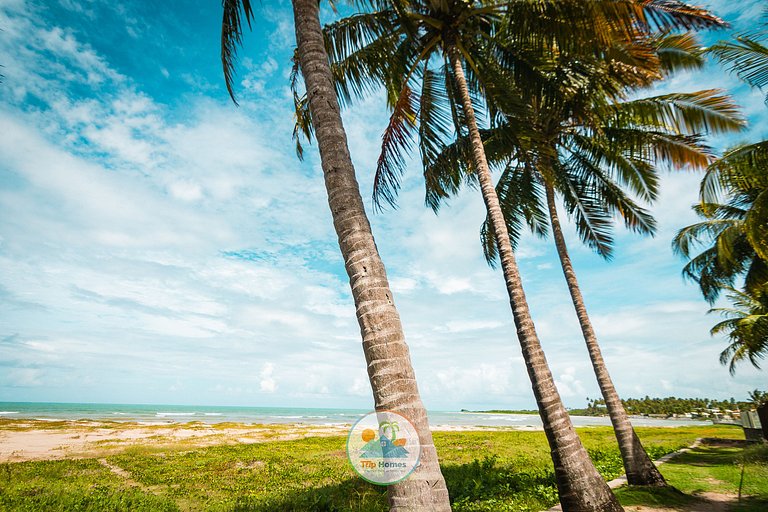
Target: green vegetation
(82,485)
(674,405)
(657,406)
(506,470)
(730,243)
(715,466)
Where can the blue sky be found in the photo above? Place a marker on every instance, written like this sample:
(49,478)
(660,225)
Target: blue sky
(160,245)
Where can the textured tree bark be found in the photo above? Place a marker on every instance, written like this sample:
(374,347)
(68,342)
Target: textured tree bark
(581,487)
(389,365)
(639,467)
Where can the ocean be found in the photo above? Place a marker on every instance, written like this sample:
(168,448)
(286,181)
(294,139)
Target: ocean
(158,414)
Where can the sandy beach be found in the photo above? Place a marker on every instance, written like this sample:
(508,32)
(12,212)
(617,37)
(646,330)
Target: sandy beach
(25,440)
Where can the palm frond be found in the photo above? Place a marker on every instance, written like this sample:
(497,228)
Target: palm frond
(656,146)
(232,37)
(395,145)
(444,175)
(756,225)
(700,234)
(678,51)
(739,169)
(708,111)
(302,127)
(756,278)
(521,197)
(673,14)
(598,156)
(435,121)
(746,57)
(746,325)
(593,221)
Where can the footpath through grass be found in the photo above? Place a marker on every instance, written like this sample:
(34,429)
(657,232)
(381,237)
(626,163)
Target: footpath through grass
(717,466)
(486,471)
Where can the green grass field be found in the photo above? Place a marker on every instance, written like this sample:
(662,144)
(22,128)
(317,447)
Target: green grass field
(714,467)
(485,471)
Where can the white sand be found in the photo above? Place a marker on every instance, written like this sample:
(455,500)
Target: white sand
(22,440)
(79,439)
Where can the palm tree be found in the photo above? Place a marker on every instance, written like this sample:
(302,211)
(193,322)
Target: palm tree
(593,214)
(590,166)
(388,361)
(590,149)
(429,44)
(724,233)
(746,325)
(758,398)
(733,235)
(734,232)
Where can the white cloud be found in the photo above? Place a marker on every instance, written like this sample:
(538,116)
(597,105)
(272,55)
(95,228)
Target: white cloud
(471,325)
(175,241)
(65,46)
(268,383)
(569,385)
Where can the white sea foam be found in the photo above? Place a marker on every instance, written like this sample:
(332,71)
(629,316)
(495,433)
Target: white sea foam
(8,412)
(213,414)
(164,414)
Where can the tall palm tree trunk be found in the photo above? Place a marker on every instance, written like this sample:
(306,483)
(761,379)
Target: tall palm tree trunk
(389,365)
(639,467)
(581,487)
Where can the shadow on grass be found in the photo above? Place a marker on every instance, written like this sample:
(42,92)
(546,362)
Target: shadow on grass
(478,486)
(655,497)
(711,452)
(346,496)
(672,498)
(750,505)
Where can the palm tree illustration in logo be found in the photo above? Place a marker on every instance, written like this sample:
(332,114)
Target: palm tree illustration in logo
(386,445)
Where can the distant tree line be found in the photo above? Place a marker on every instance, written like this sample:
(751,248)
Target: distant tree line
(674,405)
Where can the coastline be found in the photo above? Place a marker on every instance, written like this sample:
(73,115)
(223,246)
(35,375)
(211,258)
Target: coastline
(33,439)
(26,439)
(54,431)
(159,414)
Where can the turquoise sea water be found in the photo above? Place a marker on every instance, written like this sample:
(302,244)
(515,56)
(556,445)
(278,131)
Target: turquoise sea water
(285,415)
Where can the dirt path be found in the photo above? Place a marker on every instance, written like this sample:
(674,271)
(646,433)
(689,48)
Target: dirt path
(708,502)
(117,470)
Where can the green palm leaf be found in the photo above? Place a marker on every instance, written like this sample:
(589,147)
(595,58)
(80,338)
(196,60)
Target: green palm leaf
(708,111)
(746,325)
(232,37)
(747,56)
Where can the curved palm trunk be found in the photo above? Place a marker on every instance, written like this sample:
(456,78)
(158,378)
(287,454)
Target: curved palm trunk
(639,467)
(581,487)
(389,364)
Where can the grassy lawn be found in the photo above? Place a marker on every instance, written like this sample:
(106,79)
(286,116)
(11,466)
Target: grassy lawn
(712,467)
(486,471)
